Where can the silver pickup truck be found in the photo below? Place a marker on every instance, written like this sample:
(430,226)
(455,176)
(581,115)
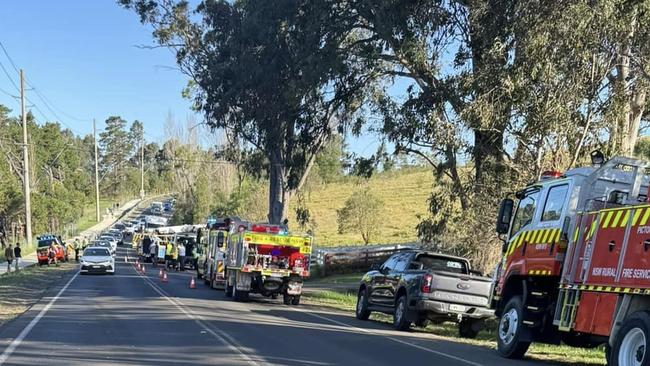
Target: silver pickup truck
(419,286)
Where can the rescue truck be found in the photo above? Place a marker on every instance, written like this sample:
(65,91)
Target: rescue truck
(213,242)
(576,262)
(267,260)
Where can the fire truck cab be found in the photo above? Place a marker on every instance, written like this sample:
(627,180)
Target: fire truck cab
(576,266)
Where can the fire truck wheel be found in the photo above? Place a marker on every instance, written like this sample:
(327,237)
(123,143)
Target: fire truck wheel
(228,288)
(399,315)
(509,330)
(362,311)
(295,300)
(632,341)
(239,295)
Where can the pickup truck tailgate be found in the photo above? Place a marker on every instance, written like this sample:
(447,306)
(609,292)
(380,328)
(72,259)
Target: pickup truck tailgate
(460,289)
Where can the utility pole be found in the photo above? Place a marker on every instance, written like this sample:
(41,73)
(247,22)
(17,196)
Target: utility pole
(26,190)
(96,173)
(142,166)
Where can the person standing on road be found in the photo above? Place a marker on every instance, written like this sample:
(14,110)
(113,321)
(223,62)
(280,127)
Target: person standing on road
(168,255)
(9,256)
(76,249)
(175,256)
(181,255)
(17,255)
(153,253)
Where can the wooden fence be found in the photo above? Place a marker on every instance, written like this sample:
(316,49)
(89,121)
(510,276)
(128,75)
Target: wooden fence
(326,261)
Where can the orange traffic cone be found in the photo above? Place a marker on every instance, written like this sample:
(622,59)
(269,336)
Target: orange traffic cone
(160,273)
(126,259)
(192,283)
(164,276)
(142,268)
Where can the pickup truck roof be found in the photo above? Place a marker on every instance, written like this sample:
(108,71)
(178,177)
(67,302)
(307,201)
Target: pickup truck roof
(435,254)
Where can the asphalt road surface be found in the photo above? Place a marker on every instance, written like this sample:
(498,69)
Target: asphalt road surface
(134,319)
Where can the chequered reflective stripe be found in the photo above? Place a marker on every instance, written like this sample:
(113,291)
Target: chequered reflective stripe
(614,289)
(619,218)
(538,236)
(539,272)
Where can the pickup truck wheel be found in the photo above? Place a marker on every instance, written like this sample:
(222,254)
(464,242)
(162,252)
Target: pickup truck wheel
(286,299)
(509,330)
(362,311)
(399,315)
(469,328)
(632,342)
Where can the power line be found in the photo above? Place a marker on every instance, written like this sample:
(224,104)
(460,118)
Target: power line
(2,66)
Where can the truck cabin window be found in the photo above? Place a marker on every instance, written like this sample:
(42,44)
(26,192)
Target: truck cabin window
(432,263)
(525,211)
(555,202)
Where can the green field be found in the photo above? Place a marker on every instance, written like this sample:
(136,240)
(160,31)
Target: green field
(404,194)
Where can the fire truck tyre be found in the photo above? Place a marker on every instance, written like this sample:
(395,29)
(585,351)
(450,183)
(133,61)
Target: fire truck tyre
(469,328)
(228,288)
(399,315)
(509,330)
(239,295)
(362,311)
(632,341)
(274,296)
(295,300)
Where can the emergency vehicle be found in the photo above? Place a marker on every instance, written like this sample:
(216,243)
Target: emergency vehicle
(576,263)
(213,241)
(266,259)
(44,242)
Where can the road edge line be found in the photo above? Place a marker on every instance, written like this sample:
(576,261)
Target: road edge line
(397,340)
(25,332)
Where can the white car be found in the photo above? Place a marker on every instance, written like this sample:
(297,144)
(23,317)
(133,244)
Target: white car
(105,243)
(97,260)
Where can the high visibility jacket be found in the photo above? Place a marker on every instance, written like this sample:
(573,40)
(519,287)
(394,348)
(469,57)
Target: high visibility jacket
(168,249)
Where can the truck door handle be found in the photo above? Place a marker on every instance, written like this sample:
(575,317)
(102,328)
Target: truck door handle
(612,244)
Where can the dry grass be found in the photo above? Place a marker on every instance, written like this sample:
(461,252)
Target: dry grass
(20,290)
(404,194)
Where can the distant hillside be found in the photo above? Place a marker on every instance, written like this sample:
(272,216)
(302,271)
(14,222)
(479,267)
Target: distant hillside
(404,193)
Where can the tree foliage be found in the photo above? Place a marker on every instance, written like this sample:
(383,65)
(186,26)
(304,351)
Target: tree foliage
(360,214)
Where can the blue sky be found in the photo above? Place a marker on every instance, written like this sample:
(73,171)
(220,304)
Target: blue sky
(82,56)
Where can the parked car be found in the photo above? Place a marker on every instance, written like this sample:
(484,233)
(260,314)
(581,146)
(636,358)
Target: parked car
(97,260)
(419,286)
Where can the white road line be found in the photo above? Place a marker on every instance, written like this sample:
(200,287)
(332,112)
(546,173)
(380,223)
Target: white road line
(223,337)
(16,342)
(367,331)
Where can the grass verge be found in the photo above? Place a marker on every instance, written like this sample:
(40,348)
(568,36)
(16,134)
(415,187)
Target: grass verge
(551,353)
(20,290)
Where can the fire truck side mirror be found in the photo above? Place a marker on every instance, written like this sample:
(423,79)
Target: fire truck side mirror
(505,215)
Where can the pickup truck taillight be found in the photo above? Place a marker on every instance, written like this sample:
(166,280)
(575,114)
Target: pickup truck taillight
(427,283)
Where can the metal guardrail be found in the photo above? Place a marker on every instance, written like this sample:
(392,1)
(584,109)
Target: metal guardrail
(354,258)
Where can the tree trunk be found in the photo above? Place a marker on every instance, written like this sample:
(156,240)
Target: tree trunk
(278,193)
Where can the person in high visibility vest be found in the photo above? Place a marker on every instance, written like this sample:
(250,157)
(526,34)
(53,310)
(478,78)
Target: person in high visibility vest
(175,256)
(168,255)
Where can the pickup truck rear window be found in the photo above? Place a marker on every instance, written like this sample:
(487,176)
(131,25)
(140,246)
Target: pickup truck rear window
(443,264)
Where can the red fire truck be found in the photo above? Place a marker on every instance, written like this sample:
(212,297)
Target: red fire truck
(576,263)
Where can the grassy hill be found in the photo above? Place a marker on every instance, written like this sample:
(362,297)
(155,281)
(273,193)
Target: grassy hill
(404,194)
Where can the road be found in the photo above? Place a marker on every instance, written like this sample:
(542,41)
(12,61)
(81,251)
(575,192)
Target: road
(134,319)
